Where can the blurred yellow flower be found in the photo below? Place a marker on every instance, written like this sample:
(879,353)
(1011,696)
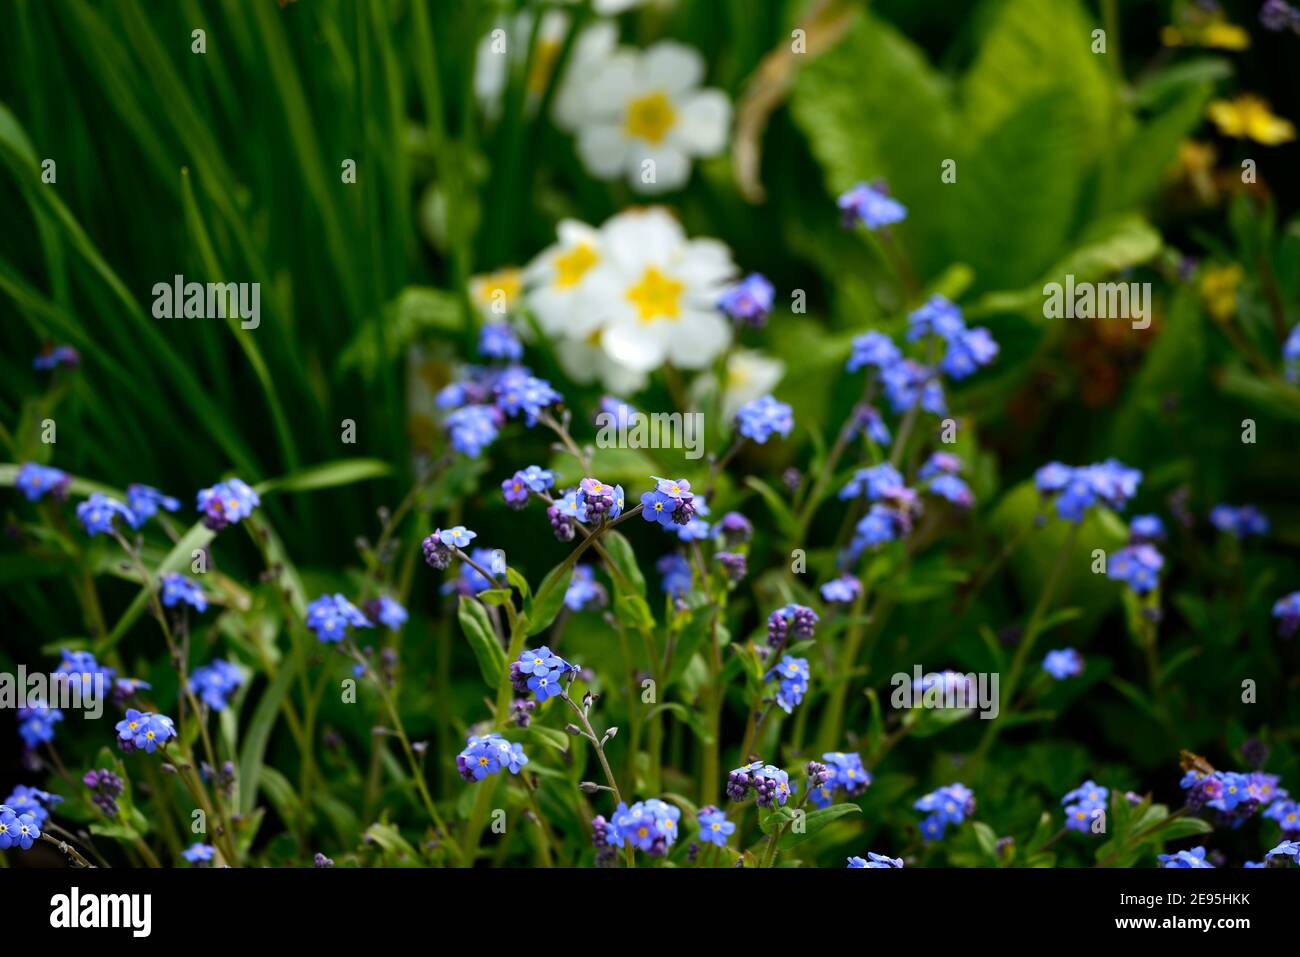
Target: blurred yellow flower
(1202,30)
(1249,117)
(1219,290)
(497,293)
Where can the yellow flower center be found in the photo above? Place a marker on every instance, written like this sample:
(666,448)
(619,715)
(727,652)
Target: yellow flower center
(656,296)
(571,266)
(650,117)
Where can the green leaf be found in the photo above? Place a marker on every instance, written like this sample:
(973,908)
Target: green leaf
(328,475)
(633,611)
(621,554)
(548,736)
(495,596)
(815,822)
(259,732)
(549,599)
(516,578)
(482,637)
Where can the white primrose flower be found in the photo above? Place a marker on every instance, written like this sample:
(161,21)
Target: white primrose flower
(749,374)
(621,301)
(643,111)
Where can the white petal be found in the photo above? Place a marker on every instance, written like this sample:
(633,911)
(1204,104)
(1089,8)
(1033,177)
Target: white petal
(640,346)
(704,123)
(611,85)
(700,337)
(672,168)
(672,67)
(603,150)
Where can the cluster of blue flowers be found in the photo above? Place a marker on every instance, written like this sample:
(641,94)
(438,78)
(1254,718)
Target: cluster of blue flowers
(842,590)
(761,418)
(1063,663)
(584,592)
(330,617)
(894,508)
(967,350)
(876,861)
(1077,488)
(942,471)
(37,481)
(33,801)
(227,503)
(481,401)
(215,683)
(387,611)
(17,830)
(144,501)
(951,804)
(1084,804)
(175,589)
(676,574)
(98,514)
(843,771)
(144,731)
(199,854)
(791,677)
(769,784)
(714,826)
(1287,612)
(36,724)
(1239,521)
(792,621)
(105,788)
(52,357)
(487,754)
(649,826)
(1138,563)
(1235,795)
(1185,859)
(533,480)
(748,301)
(869,205)
(541,672)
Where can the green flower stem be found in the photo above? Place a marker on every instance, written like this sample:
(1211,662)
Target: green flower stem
(596,742)
(196,712)
(417,772)
(1027,640)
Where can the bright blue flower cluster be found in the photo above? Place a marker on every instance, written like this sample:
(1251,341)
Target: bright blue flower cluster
(942,470)
(37,481)
(1084,804)
(82,666)
(483,398)
(1235,795)
(144,731)
(226,503)
(1287,849)
(893,512)
(144,502)
(869,205)
(487,754)
(497,340)
(1077,489)
(676,572)
(36,724)
(542,672)
(876,861)
(792,621)
(670,503)
(17,830)
(330,617)
(1063,663)
(1287,612)
(714,826)
(842,590)
(1146,528)
(761,418)
(968,350)
(215,682)
(1239,521)
(176,589)
(533,480)
(748,301)
(769,784)
(649,825)
(386,611)
(473,428)
(199,854)
(947,805)
(439,546)
(873,349)
(1287,814)
(33,801)
(791,677)
(99,513)
(584,592)
(1137,565)
(1185,859)
(844,773)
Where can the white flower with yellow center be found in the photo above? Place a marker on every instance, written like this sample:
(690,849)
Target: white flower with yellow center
(558,282)
(657,292)
(643,116)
